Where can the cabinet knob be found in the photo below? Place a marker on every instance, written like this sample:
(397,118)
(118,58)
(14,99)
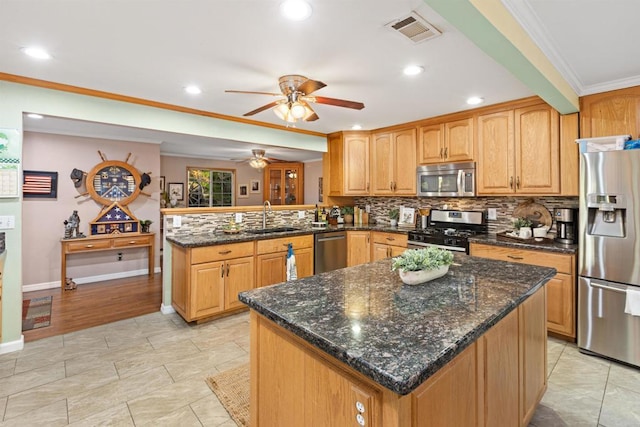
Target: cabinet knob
(222,270)
(224,252)
(514,257)
(89,246)
(446,152)
(441,153)
(132,242)
(511,182)
(228,267)
(518,183)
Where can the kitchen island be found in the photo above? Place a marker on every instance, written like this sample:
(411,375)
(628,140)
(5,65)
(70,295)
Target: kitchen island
(357,347)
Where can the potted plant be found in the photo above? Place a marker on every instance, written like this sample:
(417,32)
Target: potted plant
(347,213)
(144,225)
(394,214)
(521,222)
(422,265)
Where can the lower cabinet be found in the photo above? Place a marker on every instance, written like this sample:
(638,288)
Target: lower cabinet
(385,245)
(206,281)
(271,259)
(561,289)
(358,247)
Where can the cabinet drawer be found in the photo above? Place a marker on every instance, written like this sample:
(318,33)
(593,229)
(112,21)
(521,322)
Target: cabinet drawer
(280,244)
(561,262)
(394,239)
(88,245)
(132,241)
(221,252)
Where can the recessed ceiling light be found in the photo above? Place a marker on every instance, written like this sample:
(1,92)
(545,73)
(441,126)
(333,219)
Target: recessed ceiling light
(296,10)
(193,90)
(356,127)
(413,70)
(475,100)
(36,52)
(35,116)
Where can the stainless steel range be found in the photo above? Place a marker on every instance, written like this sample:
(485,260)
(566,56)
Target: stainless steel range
(449,230)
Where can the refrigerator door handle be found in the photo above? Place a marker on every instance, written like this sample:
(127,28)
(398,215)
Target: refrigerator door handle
(607,288)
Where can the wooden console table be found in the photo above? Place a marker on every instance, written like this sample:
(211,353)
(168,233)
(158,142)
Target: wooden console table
(106,243)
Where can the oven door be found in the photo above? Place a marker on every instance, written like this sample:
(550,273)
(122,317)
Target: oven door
(421,245)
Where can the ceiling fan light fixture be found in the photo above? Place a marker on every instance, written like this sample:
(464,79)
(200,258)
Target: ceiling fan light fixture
(298,110)
(296,10)
(258,163)
(284,112)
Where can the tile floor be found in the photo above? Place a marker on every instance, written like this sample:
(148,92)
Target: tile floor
(150,370)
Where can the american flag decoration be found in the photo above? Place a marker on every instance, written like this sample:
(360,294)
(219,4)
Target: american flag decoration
(39,184)
(114,219)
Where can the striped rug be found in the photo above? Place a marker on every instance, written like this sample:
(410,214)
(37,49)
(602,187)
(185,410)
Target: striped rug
(36,313)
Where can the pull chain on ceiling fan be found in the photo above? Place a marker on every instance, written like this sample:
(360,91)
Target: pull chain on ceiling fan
(295,106)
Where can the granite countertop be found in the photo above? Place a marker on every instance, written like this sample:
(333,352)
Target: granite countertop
(395,334)
(492,239)
(194,240)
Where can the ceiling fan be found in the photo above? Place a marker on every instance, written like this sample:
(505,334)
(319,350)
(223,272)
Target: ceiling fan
(258,160)
(295,105)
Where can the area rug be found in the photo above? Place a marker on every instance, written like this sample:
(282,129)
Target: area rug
(232,389)
(36,313)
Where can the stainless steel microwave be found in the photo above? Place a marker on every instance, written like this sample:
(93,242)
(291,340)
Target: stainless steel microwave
(447,180)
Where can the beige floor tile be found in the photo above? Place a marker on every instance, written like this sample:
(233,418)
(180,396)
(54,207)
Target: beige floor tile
(580,376)
(625,377)
(50,416)
(233,363)
(90,361)
(30,400)
(182,417)
(47,357)
(620,407)
(3,405)
(210,411)
(116,416)
(7,367)
(166,400)
(34,378)
(35,347)
(574,409)
(148,360)
(204,362)
(117,392)
(230,333)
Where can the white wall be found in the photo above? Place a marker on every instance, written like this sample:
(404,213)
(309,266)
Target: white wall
(312,171)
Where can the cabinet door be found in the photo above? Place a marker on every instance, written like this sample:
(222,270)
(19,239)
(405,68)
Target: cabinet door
(379,251)
(499,352)
(537,149)
(495,153)
(270,269)
(207,289)
(610,113)
(396,250)
(180,281)
(560,305)
(382,164)
(273,185)
(356,165)
(533,354)
(431,144)
(458,140)
(239,277)
(358,248)
(304,262)
(404,162)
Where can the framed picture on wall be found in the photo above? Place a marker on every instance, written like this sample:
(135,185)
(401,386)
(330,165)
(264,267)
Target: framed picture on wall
(243,191)
(320,189)
(176,190)
(162,184)
(255,186)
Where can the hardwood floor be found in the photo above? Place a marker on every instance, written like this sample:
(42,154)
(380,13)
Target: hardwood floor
(98,303)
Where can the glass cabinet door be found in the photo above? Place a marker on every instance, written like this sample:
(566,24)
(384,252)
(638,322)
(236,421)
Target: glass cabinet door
(291,186)
(275,186)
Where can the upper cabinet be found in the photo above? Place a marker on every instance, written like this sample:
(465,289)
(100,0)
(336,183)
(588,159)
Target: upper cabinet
(446,142)
(349,164)
(611,113)
(393,163)
(284,183)
(518,151)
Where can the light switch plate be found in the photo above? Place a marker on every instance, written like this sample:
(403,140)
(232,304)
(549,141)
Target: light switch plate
(7,222)
(177,221)
(239,217)
(300,214)
(492,213)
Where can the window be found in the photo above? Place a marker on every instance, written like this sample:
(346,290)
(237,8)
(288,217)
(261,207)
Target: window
(210,187)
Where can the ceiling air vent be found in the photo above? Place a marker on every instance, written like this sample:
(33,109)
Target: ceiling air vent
(414,27)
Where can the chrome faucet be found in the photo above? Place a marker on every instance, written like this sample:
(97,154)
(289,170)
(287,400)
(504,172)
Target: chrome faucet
(264,213)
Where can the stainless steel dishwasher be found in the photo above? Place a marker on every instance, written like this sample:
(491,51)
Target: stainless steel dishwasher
(330,251)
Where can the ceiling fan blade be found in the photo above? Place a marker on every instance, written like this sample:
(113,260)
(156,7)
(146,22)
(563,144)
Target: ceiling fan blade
(310,86)
(337,102)
(250,92)
(264,107)
(311,118)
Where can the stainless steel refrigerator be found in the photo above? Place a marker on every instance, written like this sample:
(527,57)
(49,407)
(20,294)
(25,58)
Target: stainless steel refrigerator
(609,254)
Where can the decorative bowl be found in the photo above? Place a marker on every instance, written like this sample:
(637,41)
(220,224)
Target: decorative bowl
(422,276)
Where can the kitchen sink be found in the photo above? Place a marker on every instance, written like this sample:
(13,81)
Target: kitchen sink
(270,230)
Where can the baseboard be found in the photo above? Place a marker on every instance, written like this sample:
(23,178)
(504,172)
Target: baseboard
(89,279)
(11,346)
(167,309)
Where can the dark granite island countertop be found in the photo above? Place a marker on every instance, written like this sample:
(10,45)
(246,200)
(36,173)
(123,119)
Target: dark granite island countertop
(395,334)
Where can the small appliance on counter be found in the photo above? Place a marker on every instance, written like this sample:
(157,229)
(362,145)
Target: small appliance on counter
(566,225)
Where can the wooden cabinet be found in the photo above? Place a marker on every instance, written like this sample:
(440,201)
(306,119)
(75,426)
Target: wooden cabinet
(518,151)
(446,142)
(349,164)
(560,290)
(358,247)
(385,245)
(271,259)
(206,280)
(284,183)
(393,163)
(610,113)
